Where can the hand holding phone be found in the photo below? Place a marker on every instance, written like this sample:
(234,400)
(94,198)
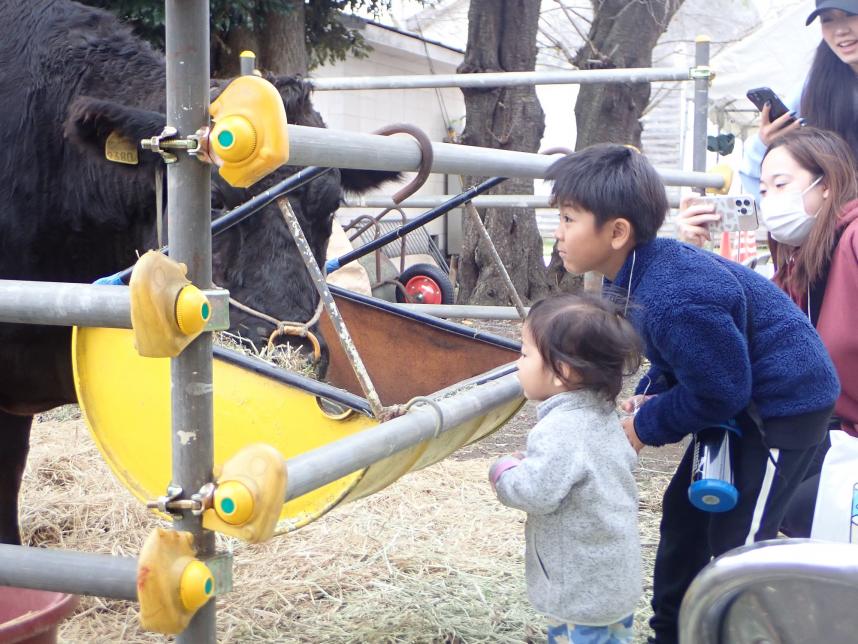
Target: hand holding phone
(735,212)
(780,119)
(759,96)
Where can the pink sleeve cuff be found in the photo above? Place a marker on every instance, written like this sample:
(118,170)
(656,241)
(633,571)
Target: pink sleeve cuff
(502,465)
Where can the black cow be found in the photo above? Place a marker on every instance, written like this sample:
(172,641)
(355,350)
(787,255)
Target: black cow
(69,76)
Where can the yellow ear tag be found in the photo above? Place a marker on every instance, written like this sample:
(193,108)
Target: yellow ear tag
(120,150)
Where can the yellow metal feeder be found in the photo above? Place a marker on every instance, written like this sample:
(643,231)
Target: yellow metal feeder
(126,400)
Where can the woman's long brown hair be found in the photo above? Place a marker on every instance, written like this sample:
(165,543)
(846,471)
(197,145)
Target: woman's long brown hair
(822,153)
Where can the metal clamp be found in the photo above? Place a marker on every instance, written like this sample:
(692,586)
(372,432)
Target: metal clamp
(204,499)
(195,144)
(171,503)
(701,72)
(165,503)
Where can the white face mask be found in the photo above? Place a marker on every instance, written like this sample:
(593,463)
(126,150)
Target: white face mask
(785,217)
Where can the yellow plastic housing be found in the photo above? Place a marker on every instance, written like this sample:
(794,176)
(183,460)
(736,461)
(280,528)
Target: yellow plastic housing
(172,584)
(726,173)
(233,502)
(193,310)
(249,496)
(250,138)
(196,585)
(157,284)
(234,139)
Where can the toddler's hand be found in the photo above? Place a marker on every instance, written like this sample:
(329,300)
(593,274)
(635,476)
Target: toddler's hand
(500,466)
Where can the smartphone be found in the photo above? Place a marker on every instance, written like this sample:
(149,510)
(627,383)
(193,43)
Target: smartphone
(759,96)
(738,212)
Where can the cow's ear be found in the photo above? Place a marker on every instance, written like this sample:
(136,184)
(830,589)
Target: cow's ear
(91,121)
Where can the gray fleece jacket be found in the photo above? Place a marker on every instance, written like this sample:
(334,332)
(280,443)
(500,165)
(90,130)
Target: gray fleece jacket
(576,483)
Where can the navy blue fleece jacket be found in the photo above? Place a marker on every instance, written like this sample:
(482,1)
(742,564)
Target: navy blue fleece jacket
(690,307)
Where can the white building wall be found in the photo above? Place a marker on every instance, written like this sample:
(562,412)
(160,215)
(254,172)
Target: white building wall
(394,54)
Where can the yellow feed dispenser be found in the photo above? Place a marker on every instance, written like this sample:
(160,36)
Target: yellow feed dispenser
(125,400)
(249,138)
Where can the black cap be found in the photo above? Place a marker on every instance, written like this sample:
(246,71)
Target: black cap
(843,5)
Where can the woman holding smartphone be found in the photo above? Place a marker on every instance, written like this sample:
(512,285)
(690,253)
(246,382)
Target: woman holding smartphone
(827,100)
(809,203)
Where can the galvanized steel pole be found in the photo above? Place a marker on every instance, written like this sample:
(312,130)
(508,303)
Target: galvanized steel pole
(64,304)
(504,79)
(189,221)
(340,149)
(64,571)
(701,104)
(470,311)
(431,201)
(311,470)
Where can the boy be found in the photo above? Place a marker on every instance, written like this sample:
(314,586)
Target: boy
(723,342)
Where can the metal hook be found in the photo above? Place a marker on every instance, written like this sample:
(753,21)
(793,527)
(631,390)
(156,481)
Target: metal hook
(427,156)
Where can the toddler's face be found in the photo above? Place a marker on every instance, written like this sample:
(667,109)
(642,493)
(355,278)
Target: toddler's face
(580,243)
(537,379)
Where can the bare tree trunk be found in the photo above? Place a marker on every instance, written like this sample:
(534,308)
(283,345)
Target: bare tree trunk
(502,37)
(283,48)
(280,44)
(623,34)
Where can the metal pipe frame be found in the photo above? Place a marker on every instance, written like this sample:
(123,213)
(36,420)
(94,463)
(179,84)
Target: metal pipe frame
(64,304)
(701,105)
(765,562)
(189,222)
(311,470)
(469,311)
(505,79)
(455,201)
(433,201)
(64,571)
(341,149)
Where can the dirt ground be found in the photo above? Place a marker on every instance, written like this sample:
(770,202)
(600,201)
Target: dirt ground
(433,558)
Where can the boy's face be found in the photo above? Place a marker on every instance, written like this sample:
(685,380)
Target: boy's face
(583,246)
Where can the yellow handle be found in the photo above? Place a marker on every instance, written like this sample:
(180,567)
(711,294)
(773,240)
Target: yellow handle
(192,310)
(234,138)
(233,502)
(196,585)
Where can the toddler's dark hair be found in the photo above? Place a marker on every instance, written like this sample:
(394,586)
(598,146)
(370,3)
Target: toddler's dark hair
(588,334)
(611,181)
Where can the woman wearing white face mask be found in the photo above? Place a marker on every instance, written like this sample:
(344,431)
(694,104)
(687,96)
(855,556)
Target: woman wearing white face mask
(825,99)
(809,203)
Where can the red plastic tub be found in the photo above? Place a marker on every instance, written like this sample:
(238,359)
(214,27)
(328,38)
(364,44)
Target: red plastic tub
(32,616)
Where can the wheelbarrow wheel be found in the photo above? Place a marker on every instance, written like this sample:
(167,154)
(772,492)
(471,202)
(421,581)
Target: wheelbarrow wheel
(425,284)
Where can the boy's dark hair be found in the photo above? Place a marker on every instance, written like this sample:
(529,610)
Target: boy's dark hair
(611,181)
(588,334)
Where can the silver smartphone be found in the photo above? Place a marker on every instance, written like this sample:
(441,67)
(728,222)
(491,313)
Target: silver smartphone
(738,212)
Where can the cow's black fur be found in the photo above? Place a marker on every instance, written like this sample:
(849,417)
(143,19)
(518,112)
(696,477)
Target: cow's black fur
(69,76)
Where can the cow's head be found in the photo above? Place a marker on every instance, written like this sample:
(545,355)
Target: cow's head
(256,260)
